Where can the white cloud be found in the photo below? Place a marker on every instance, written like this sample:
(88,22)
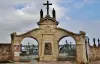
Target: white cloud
(90,27)
(79,4)
(60,11)
(68,18)
(82,3)
(22,20)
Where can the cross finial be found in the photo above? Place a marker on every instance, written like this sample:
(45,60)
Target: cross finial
(47,6)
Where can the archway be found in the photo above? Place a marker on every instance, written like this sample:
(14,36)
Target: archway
(29,49)
(67,49)
(48,35)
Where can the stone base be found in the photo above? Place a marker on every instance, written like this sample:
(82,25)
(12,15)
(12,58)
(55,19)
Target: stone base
(48,58)
(16,58)
(78,62)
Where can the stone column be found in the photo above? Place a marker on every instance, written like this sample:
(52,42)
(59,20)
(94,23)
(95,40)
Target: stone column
(40,45)
(42,50)
(81,51)
(12,44)
(84,51)
(40,55)
(16,49)
(55,50)
(12,50)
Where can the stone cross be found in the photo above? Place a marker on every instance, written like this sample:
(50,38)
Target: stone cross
(47,6)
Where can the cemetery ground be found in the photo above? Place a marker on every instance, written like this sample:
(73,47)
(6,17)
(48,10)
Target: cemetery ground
(32,59)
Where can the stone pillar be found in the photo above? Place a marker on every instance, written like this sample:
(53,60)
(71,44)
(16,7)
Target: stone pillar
(16,49)
(12,50)
(41,51)
(84,51)
(40,46)
(81,51)
(56,47)
(55,50)
(12,44)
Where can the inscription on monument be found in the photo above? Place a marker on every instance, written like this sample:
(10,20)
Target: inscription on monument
(48,49)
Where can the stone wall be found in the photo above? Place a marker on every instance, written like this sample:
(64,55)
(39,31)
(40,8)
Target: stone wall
(94,53)
(5,52)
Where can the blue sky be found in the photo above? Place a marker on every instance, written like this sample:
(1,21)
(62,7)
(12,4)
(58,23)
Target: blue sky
(86,11)
(79,10)
(74,15)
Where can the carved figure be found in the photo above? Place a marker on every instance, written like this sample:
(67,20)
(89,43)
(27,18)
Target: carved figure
(41,13)
(94,42)
(53,13)
(98,42)
(48,49)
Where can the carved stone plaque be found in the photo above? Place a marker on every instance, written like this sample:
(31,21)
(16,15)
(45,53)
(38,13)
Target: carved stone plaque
(48,29)
(48,49)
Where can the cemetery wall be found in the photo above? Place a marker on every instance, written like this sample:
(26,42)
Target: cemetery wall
(5,52)
(94,53)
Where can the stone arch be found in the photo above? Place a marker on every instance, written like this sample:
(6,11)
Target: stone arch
(65,33)
(31,34)
(33,39)
(16,41)
(28,44)
(79,39)
(66,36)
(67,49)
(30,38)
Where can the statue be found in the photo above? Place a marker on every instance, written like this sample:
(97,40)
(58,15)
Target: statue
(66,42)
(88,40)
(41,13)
(94,42)
(98,42)
(12,35)
(53,13)
(71,45)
